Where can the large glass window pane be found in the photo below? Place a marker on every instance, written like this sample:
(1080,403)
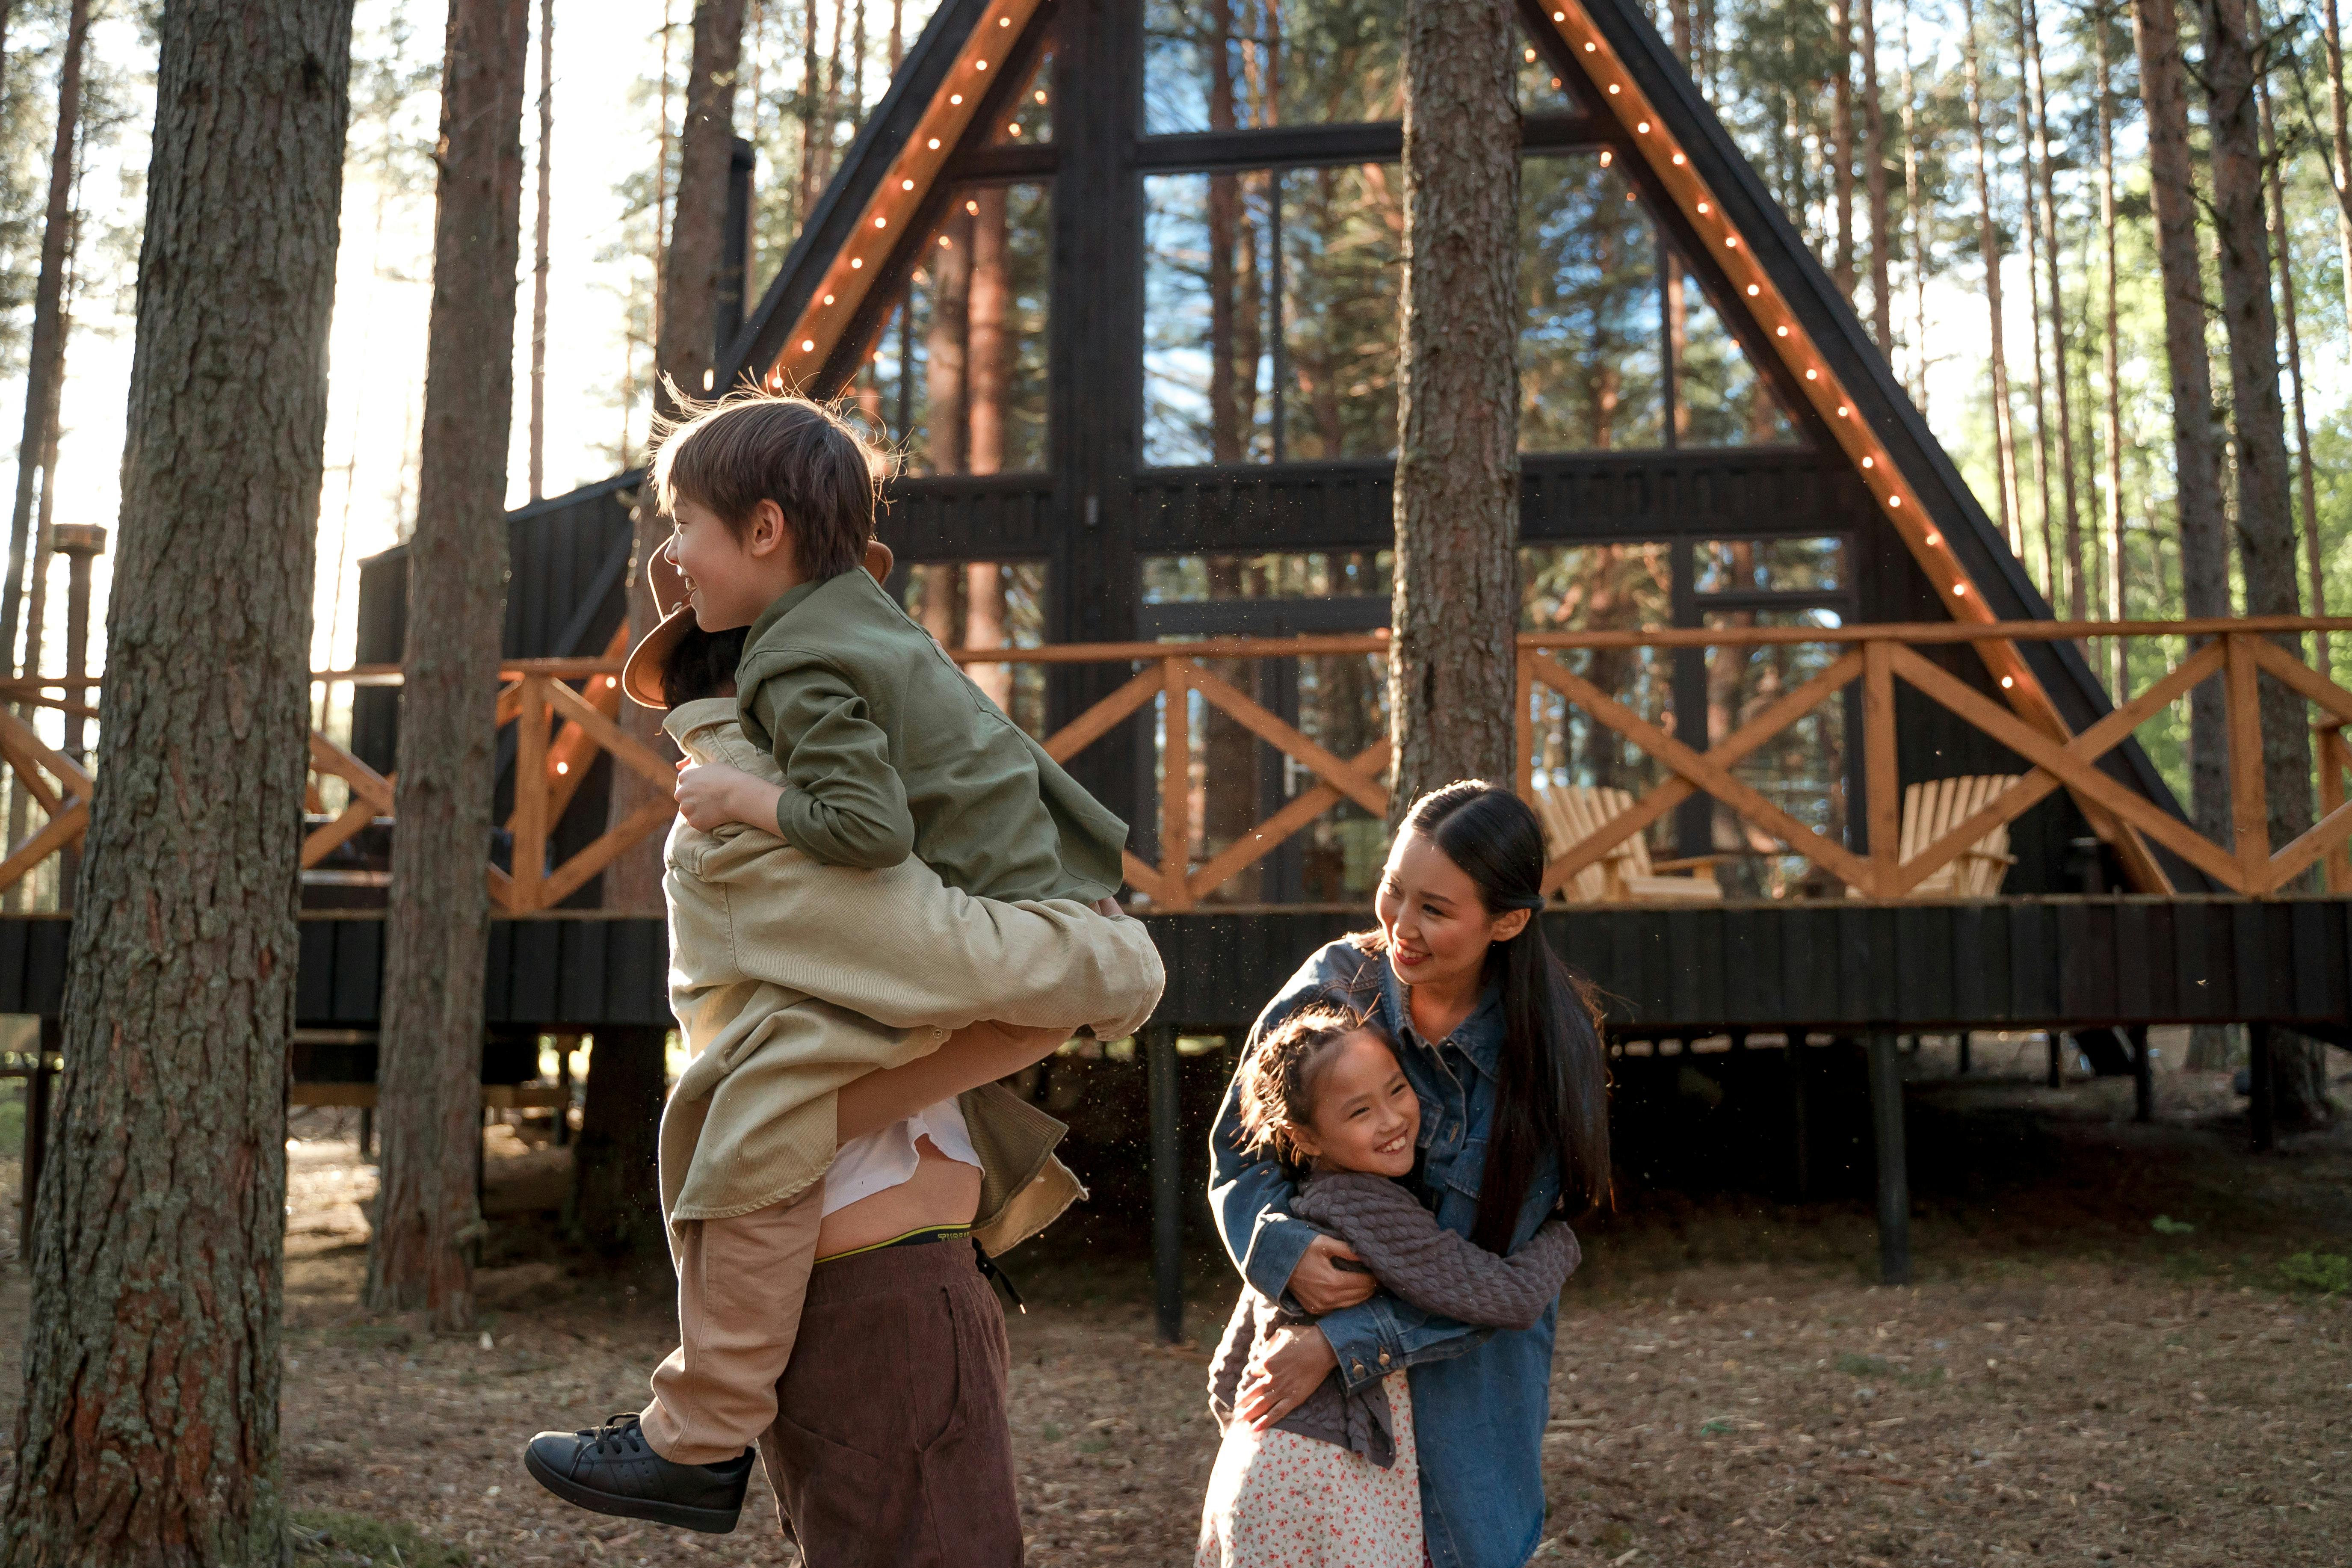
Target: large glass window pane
(1303,574)
(988,604)
(1588,346)
(1223,65)
(1770,565)
(1720,400)
(1600,588)
(1030,116)
(955,376)
(1270,315)
(1802,770)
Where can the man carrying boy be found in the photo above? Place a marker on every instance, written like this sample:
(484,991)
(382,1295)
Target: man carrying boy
(873,747)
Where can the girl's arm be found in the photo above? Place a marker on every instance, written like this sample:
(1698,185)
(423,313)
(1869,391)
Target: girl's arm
(1436,1269)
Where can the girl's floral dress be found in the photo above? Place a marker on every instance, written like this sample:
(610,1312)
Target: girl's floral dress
(1280,1500)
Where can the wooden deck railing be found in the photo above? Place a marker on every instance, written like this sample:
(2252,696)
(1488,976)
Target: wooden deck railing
(564,713)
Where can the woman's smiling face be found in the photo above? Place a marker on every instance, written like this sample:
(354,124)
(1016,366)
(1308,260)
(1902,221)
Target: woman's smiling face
(1437,930)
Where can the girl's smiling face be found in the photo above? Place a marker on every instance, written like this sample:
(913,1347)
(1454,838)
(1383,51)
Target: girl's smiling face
(1438,932)
(1366,1118)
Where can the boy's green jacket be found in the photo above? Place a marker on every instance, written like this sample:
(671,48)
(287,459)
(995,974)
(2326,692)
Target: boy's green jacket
(790,978)
(888,751)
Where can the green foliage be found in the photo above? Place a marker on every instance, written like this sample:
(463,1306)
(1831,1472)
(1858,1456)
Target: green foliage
(2165,1225)
(1864,1366)
(329,1540)
(2319,1273)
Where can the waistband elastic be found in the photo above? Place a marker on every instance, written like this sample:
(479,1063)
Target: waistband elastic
(919,1238)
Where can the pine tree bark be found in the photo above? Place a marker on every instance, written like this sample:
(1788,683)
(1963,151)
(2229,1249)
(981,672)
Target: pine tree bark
(45,361)
(1873,169)
(2204,556)
(2339,128)
(2118,607)
(615,1207)
(685,354)
(2025,141)
(2008,503)
(2306,476)
(1452,658)
(148,1432)
(437,926)
(1842,268)
(538,265)
(2077,578)
(2265,521)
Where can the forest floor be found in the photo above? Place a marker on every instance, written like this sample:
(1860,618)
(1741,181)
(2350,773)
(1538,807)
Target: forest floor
(2072,1379)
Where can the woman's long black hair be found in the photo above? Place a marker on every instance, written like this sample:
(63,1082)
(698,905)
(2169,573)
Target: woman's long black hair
(1554,1084)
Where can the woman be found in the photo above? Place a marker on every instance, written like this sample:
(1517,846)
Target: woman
(1499,1044)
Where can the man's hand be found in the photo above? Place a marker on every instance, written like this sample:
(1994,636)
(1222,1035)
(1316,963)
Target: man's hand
(1318,1285)
(711,794)
(1282,1374)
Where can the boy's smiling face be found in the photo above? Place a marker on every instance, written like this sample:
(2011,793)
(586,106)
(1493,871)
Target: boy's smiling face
(732,577)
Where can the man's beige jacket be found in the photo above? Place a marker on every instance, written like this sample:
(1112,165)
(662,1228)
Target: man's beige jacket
(790,978)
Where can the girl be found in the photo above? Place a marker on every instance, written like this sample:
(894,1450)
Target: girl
(1500,1047)
(1334,1479)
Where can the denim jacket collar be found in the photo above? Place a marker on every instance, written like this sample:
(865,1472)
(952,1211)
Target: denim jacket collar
(1479,1035)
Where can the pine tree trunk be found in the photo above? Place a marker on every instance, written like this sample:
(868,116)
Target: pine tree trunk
(2118,607)
(148,1432)
(2306,478)
(2033,316)
(2008,503)
(2339,116)
(1874,168)
(684,355)
(2204,558)
(45,359)
(437,926)
(1915,215)
(539,249)
(1842,269)
(1452,659)
(615,1194)
(2077,579)
(2267,550)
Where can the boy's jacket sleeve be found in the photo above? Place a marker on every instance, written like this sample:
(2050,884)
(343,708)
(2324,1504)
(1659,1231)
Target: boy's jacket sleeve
(843,801)
(908,951)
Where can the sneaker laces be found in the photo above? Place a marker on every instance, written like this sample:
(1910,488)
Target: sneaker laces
(619,1434)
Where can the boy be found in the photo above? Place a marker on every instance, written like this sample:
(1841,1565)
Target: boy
(791,978)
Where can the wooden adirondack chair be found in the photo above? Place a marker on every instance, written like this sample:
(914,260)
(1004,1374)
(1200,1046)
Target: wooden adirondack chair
(1573,813)
(1934,808)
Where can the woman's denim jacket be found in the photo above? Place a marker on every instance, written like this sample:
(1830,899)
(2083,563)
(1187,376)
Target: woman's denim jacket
(1480,1397)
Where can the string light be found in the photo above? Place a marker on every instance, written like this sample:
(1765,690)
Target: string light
(881,223)
(971,208)
(856,262)
(1753,290)
(1934,538)
(935,143)
(808,345)
(1678,160)
(955,98)
(906,184)
(1562,16)
(1041,95)
(1702,207)
(2007,682)
(1870,462)
(1531,57)
(1898,501)
(1013,129)
(1812,376)
(1643,129)
(1588,47)
(1606,157)
(1844,412)
(1730,242)
(562,768)
(1004,21)
(828,298)
(981,65)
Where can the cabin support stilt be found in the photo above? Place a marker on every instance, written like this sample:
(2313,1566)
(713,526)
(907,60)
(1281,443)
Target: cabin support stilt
(1167,1180)
(1893,1175)
(2143,1075)
(2262,1109)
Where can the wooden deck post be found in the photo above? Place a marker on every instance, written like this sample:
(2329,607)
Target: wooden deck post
(2262,1109)
(1893,1172)
(2057,1038)
(1167,1180)
(2143,1075)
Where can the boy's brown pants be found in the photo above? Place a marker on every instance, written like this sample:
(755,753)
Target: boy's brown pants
(740,1284)
(890,1448)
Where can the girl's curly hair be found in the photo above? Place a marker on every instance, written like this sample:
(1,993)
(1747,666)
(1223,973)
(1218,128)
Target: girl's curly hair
(1277,1081)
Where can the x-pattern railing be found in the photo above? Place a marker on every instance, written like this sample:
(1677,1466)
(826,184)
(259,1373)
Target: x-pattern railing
(564,713)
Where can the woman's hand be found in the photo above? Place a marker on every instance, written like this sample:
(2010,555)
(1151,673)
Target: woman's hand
(712,794)
(1319,1285)
(1286,1371)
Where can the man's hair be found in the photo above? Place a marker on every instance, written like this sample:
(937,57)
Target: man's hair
(701,663)
(752,446)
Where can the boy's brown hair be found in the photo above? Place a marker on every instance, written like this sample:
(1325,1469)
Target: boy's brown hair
(1278,1080)
(752,446)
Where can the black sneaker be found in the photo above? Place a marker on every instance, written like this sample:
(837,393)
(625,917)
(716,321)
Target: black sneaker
(612,1469)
